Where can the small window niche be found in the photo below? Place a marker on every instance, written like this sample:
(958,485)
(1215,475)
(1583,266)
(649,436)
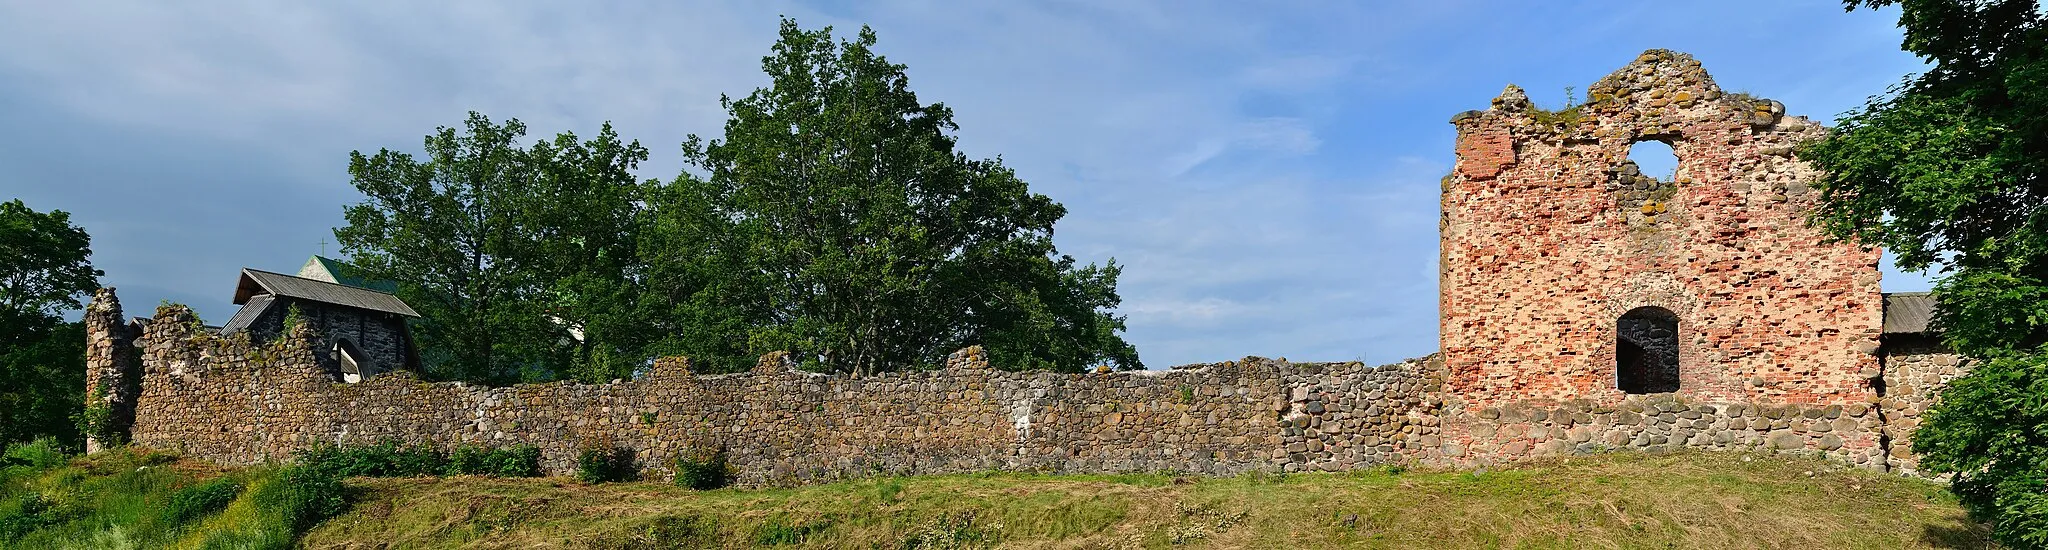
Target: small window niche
(1646,351)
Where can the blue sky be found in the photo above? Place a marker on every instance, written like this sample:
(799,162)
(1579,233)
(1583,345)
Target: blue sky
(1267,173)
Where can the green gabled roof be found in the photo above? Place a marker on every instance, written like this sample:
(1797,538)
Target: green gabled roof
(339,272)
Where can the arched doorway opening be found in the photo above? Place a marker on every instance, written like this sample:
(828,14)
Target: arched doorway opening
(1646,351)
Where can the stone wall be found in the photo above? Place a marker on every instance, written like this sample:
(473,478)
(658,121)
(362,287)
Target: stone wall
(1550,234)
(112,367)
(382,338)
(1661,422)
(1916,368)
(234,401)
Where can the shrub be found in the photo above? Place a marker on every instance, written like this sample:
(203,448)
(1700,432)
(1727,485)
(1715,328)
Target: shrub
(473,459)
(605,464)
(468,459)
(1987,431)
(96,420)
(418,460)
(200,501)
(517,461)
(44,453)
(25,515)
(280,506)
(703,471)
(302,496)
(385,458)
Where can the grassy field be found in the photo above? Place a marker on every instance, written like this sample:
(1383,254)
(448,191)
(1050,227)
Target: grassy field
(1689,500)
(137,499)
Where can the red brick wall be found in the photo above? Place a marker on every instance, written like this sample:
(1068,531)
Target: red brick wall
(1547,241)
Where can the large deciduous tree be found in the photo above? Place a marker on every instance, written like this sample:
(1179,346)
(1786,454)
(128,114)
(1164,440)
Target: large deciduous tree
(520,259)
(1950,171)
(45,270)
(838,219)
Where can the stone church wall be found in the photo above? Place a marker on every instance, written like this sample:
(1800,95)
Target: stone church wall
(1550,234)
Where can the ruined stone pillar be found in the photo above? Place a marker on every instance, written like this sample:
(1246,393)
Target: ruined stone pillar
(113,368)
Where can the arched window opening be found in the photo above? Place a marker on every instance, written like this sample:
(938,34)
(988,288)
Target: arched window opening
(1655,159)
(1646,351)
(350,359)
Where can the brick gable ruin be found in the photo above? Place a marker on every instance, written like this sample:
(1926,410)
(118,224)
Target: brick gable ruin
(1551,235)
(1585,306)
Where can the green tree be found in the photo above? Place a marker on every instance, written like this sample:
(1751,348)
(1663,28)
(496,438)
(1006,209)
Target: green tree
(44,271)
(585,216)
(508,252)
(703,297)
(865,241)
(1949,171)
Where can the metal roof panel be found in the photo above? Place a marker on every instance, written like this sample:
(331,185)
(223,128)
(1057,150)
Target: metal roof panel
(326,292)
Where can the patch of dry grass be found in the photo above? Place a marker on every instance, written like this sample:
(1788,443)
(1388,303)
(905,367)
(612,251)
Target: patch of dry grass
(1621,500)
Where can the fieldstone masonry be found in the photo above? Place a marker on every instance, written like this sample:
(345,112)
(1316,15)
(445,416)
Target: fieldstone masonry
(1550,235)
(226,399)
(112,367)
(1915,368)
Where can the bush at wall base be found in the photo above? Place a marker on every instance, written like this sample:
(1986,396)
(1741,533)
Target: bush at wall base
(605,465)
(703,470)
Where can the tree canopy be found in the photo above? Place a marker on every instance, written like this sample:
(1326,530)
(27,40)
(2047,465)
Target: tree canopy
(45,270)
(44,265)
(517,257)
(1949,171)
(835,219)
(868,241)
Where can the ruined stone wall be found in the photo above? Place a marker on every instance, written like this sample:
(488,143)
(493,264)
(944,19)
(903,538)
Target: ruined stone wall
(1916,368)
(113,370)
(1550,235)
(238,402)
(1662,422)
(232,401)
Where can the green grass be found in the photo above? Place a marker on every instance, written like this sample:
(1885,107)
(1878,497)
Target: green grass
(1620,500)
(133,498)
(138,499)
